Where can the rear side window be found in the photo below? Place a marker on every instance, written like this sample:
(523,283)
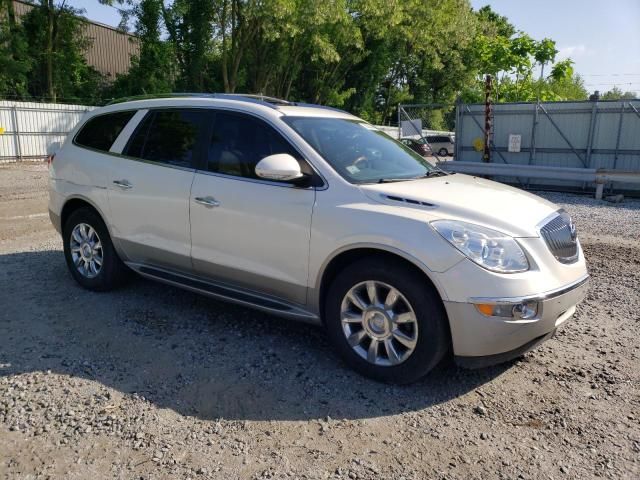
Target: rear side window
(101,131)
(168,136)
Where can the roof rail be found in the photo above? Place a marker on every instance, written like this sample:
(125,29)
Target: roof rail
(260,99)
(267,101)
(314,105)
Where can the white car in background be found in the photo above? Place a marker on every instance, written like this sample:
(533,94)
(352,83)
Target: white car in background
(311,213)
(443,145)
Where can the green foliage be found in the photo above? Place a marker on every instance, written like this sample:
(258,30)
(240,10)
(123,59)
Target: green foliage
(362,55)
(153,70)
(513,59)
(493,24)
(43,55)
(72,78)
(617,94)
(15,63)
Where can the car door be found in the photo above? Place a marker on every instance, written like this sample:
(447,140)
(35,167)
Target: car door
(150,188)
(245,231)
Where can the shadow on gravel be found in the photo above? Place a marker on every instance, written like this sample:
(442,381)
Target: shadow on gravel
(192,354)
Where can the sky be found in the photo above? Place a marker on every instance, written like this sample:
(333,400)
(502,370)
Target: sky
(601,37)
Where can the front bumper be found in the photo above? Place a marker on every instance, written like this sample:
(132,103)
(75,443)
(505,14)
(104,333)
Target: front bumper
(480,340)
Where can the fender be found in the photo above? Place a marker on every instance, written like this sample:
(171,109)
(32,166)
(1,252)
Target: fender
(114,240)
(314,290)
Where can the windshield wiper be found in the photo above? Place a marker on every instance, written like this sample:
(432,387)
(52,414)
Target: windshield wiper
(429,174)
(434,173)
(391,180)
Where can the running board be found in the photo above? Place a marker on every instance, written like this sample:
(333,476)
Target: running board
(223,292)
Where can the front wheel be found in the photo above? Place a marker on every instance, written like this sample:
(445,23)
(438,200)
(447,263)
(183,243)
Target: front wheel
(386,322)
(443,152)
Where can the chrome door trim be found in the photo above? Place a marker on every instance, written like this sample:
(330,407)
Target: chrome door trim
(257,180)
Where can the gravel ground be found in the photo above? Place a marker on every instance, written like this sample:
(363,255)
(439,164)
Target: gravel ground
(154,382)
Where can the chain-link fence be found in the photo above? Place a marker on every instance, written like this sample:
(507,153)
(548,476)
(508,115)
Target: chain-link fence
(28,129)
(432,125)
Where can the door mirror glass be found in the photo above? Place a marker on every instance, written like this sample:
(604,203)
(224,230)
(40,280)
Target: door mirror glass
(279,167)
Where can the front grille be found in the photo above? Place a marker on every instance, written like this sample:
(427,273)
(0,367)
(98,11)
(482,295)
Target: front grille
(559,233)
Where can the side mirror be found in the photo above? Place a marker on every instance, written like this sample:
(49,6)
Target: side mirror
(280,167)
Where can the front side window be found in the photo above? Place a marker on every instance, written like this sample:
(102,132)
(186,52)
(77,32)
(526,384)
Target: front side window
(168,136)
(238,142)
(358,151)
(101,131)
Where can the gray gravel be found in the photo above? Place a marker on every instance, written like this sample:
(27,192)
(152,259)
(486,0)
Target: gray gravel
(153,382)
(599,217)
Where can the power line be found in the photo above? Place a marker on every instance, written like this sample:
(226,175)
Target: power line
(609,74)
(620,84)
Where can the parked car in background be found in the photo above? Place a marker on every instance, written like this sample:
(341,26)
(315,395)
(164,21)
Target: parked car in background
(417,145)
(311,213)
(443,145)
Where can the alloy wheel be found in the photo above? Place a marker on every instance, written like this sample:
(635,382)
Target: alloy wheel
(86,250)
(379,323)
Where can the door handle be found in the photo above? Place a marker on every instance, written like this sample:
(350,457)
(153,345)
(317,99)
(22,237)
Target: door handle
(123,184)
(208,202)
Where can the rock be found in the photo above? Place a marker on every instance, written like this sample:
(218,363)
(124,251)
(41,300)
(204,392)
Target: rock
(615,198)
(480,410)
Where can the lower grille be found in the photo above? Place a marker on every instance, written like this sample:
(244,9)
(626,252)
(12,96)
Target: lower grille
(559,234)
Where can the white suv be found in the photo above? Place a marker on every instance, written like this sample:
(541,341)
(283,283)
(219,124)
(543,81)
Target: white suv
(311,213)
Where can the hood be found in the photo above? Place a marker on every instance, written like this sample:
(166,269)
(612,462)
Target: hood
(470,199)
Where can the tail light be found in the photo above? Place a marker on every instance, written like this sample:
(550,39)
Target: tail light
(50,159)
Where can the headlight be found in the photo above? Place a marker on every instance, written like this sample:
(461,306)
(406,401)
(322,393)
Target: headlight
(493,250)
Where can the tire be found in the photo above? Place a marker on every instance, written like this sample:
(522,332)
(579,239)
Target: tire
(443,152)
(430,331)
(111,272)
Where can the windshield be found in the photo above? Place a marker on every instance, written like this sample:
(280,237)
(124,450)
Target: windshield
(358,151)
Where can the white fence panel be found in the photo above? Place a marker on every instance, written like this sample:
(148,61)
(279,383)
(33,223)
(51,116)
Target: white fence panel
(30,128)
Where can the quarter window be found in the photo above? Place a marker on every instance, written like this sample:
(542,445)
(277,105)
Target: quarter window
(168,136)
(239,142)
(101,131)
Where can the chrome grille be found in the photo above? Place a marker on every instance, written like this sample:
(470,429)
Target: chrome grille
(559,234)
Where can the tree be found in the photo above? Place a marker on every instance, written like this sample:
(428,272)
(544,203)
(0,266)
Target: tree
(190,29)
(493,24)
(57,46)
(15,63)
(257,41)
(428,53)
(363,55)
(153,70)
(617,94)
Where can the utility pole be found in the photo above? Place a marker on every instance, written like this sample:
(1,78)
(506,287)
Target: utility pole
(486,156)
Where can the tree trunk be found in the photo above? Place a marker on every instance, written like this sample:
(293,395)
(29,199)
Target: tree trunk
(223,30)
(49,51)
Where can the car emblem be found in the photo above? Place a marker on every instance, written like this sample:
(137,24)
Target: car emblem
(572,230)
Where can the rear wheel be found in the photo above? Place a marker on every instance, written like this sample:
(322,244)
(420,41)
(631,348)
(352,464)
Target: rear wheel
(443,152)
(89,252)
(386,321)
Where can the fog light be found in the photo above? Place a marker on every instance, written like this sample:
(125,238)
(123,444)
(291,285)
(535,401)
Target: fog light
(519,311)
(525,311)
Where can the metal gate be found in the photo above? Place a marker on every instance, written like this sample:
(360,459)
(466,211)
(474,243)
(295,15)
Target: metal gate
(588,135)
